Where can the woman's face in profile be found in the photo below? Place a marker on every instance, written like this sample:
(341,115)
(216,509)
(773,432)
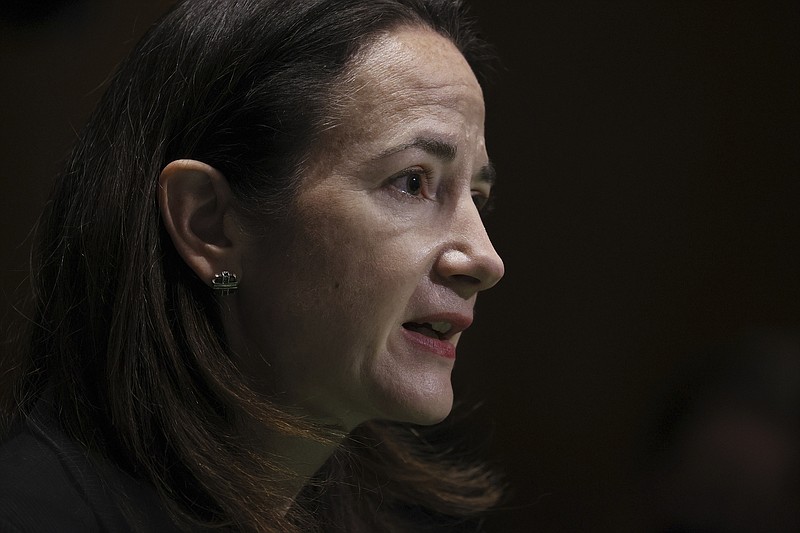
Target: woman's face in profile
(352,306)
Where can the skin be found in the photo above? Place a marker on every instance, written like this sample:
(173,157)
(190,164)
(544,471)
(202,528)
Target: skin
(385,230)
(326,292)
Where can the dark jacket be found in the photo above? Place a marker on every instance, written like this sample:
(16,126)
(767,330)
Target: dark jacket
(49,483)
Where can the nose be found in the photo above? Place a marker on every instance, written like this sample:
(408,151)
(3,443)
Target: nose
(469,262)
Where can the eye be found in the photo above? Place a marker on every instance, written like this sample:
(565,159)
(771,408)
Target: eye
(483,202)
(480,200)
(411,181)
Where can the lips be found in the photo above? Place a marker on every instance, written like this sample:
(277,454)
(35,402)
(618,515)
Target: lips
(439,330)
(433,333)
(441,326)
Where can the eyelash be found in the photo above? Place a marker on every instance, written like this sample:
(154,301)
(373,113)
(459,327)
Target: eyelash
(425,182)
(485,204)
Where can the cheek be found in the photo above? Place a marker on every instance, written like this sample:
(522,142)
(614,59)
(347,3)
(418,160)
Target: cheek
(360,252)
(348,268)
(327,275)
(362,272)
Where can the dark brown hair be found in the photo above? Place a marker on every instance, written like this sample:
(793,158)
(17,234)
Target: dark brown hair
(125,339)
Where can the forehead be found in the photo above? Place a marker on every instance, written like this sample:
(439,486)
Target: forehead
(415,53)
(409,77)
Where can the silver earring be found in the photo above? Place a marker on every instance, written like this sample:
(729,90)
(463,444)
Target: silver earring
(225,283)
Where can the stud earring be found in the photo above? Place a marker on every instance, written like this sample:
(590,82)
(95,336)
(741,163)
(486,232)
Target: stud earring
(225,283)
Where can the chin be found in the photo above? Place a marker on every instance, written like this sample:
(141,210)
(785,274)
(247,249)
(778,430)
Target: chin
(424,411)
(430,419)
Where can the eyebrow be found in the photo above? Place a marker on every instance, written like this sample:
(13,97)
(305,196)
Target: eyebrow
(441,149)
(445,151)
(487,174)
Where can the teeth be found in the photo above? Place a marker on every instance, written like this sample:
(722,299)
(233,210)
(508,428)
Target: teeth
(436,330)
(441,327)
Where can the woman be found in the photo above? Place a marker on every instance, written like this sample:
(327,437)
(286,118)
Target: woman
(267,237)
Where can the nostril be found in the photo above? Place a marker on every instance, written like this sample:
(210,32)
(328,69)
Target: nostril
(465,278)
(468,269)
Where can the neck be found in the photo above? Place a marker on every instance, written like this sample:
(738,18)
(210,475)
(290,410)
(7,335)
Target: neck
(298,457)
(301,457)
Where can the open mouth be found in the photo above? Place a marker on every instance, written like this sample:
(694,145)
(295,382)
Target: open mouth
(437,330)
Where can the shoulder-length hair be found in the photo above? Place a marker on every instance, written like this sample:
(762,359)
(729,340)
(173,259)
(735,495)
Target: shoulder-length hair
(126,341)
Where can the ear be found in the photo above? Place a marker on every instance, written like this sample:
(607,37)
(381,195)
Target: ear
(195,201)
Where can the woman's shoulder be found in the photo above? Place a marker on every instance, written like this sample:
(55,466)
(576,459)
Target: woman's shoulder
(50,483)
(37,491)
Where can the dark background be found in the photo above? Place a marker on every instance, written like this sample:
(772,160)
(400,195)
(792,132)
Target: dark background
(649,162)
